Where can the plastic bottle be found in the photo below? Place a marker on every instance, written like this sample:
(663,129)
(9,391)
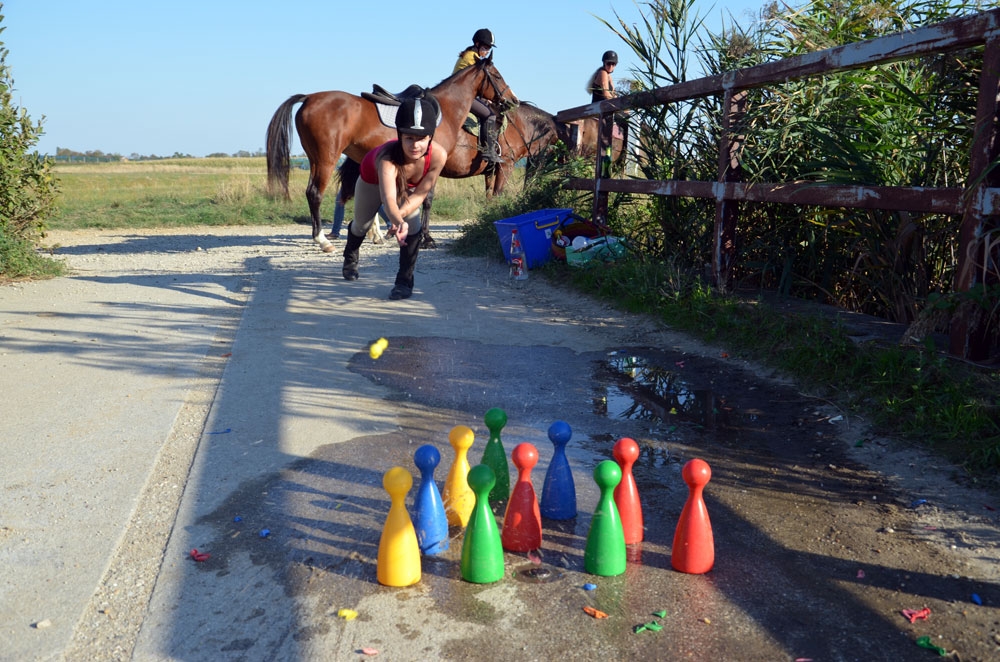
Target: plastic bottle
(518,260)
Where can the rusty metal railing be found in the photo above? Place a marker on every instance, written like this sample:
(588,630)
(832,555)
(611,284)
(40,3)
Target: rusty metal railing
(978,202)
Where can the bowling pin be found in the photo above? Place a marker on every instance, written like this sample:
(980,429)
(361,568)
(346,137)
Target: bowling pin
(429,517)
(626,452)
(494,455)
(558,491)
(522,521)
(604,554)
(694,547)
(482,551)
(398,550)
(458,498)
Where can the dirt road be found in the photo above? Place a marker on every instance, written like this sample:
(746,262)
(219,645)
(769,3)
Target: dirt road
(212,389)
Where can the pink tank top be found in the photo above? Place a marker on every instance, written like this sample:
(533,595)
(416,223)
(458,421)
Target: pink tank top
(369,173)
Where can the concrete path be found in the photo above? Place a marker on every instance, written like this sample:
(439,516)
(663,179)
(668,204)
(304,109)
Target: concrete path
(212,390)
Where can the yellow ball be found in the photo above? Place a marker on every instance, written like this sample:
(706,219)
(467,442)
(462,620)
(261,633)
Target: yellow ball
(378,347)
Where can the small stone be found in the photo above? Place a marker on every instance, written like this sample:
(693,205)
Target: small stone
(41,625)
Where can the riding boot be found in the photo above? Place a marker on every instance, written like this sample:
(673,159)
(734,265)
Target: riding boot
(488,137)
(351,257)
(407,263)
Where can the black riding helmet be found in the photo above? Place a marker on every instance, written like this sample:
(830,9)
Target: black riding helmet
(484,37)
(610,56)
(419,117)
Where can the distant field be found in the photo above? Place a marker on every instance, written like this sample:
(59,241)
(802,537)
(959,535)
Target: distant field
(211,191)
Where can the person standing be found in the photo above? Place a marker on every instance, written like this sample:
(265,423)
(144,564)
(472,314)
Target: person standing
(396,178)
(482,44)
(601,85)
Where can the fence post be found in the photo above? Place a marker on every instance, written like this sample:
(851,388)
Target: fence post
(604,124)
(977,247)
(730,170)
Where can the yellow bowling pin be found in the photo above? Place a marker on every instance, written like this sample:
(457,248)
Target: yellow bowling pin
(398,550)
(458,497)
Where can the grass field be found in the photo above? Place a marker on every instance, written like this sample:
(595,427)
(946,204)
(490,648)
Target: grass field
(221,191)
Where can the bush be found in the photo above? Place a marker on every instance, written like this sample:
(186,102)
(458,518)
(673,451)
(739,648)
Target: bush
(27,187)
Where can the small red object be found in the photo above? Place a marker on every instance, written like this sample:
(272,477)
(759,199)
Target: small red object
(199,556)
(369,651)
(913,615)
(626,452)
(693,551)
(522,521)
(596,613)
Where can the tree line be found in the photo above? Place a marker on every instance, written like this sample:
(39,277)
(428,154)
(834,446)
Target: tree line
(65,154)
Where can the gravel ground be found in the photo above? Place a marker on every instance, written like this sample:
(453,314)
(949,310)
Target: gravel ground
(858,500)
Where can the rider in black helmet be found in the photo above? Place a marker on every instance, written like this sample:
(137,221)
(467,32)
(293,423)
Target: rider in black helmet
(601,86)
(482,43)
(396,178)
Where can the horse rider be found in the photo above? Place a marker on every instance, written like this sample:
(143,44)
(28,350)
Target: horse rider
(602,87)
(396,178)
(482,43)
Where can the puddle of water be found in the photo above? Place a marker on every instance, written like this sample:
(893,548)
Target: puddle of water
(635,388)
(537,574)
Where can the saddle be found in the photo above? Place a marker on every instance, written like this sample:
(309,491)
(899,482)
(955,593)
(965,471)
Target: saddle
(381,95)
(387,103)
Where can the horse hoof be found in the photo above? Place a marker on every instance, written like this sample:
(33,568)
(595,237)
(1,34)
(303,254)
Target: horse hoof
(327,247)
(428,242)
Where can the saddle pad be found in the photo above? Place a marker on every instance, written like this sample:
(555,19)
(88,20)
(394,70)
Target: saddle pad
(387,114)
(471,125)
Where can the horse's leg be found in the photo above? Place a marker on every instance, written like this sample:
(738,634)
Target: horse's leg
(489,176)
(500,177)
(426,240)
(320,173)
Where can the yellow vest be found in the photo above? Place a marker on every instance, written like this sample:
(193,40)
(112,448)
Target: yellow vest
(466,59)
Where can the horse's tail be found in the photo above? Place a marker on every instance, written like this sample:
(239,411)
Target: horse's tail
(348,172)
(278,140)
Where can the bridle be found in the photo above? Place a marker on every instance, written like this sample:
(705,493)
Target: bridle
(500,95)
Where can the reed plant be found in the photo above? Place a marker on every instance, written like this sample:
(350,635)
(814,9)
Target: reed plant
(899,124)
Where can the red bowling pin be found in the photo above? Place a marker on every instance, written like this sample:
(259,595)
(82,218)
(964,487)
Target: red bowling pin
(626,452)
(522,522)
(694,547)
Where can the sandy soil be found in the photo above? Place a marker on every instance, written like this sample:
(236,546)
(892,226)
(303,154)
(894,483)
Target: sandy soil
(901,528)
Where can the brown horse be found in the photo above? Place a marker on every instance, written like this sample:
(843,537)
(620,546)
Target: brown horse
(527,132)
(333,123)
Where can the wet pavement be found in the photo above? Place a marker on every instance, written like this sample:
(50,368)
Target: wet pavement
(818,549)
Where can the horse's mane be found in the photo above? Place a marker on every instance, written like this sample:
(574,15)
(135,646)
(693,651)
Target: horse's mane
(480,63)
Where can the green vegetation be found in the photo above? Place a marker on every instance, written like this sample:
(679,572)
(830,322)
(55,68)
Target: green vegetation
(886,264)
(208,191)
(27,190)
(905,123)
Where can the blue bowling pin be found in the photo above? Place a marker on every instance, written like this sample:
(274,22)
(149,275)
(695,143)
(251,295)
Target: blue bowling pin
(558,492)
(429,518)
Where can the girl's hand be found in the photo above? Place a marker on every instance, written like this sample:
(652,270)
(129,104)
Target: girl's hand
(400,231)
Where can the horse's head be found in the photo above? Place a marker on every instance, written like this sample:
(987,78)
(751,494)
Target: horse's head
(493,87)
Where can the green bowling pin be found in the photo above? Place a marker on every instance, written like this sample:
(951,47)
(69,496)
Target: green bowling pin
(495,457)
(605,551)
(482,551)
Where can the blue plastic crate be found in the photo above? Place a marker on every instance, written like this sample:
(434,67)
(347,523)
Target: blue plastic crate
(535,229)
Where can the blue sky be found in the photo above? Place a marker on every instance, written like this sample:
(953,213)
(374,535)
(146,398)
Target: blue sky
(197,77)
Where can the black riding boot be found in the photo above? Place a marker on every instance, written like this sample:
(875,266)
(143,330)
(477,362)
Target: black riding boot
(407,263)
(351,250)
(488,137)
